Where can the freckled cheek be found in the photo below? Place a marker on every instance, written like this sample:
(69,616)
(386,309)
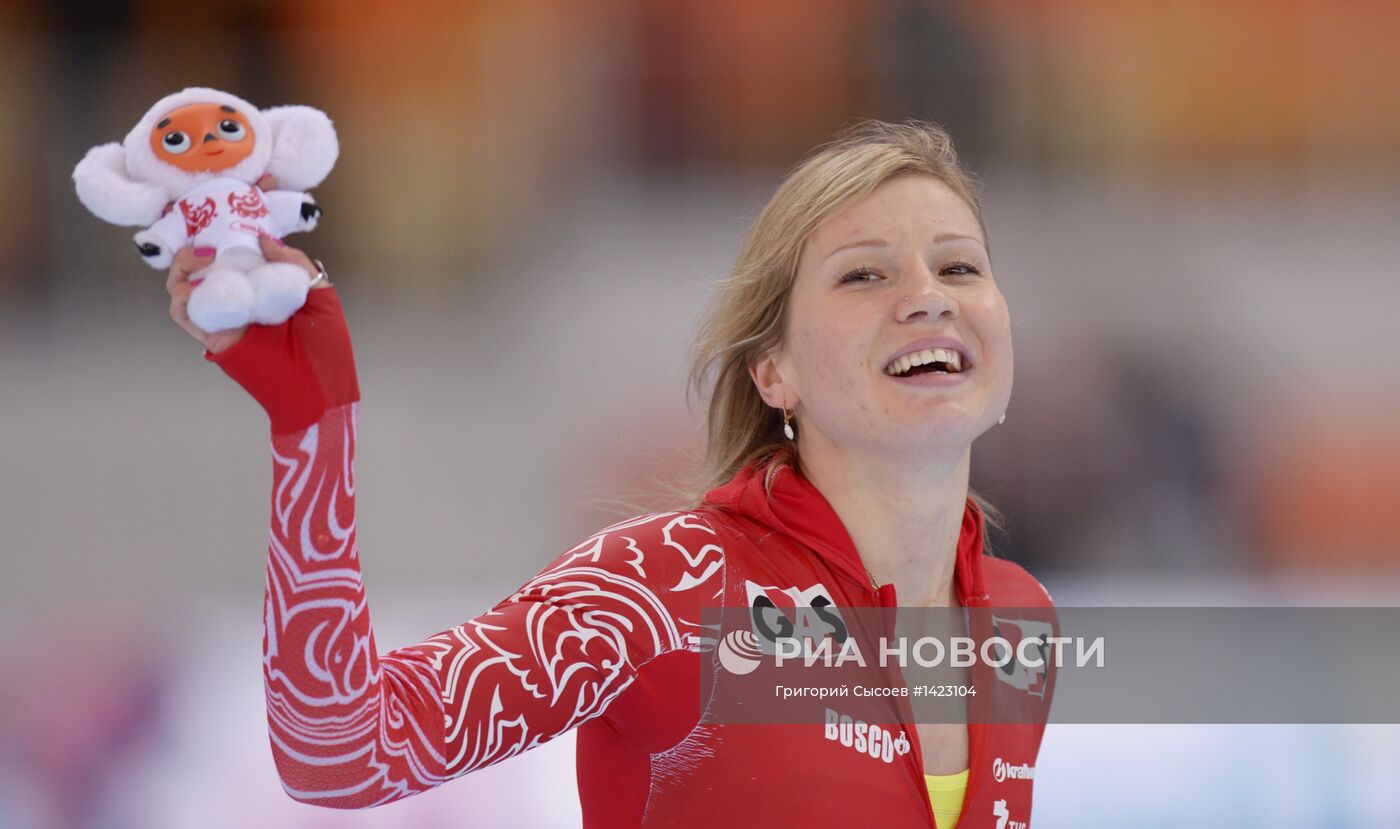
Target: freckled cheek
(831,372)
(993,324)
(835,365)
(1003,369)
(814,353)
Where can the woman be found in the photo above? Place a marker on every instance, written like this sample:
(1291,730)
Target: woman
(857,350)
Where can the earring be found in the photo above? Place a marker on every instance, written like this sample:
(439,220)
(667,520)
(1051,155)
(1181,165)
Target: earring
(787,425)
(1001,419)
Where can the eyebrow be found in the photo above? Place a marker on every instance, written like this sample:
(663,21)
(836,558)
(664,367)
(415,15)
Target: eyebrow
(227,108)
(163,124)
(881,243)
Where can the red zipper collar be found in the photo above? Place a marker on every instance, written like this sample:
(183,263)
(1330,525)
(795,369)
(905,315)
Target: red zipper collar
(799,510)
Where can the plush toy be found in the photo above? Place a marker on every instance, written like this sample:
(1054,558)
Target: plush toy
(188,175)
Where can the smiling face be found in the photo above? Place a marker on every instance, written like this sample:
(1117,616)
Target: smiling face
(906,268)
(203,138)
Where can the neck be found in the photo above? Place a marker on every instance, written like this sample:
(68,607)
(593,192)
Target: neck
(904,514)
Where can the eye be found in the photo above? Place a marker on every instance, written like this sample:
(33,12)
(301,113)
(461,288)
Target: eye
(231,130)
(961,269)
(859,275)
(176,142)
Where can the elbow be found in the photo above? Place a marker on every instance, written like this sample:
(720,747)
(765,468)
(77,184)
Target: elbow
(351,780)
(319,789)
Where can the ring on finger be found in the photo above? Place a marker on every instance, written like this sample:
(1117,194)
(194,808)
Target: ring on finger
(321,275)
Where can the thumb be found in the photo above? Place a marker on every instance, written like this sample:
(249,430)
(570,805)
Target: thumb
(273,249)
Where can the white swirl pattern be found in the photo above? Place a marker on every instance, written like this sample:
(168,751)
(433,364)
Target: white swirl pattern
(351,728)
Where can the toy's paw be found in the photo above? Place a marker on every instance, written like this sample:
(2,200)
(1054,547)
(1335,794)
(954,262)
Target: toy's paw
(279,289)
(310,215)
(149,246)
(223,300)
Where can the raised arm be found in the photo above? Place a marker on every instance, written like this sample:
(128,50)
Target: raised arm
(350,727)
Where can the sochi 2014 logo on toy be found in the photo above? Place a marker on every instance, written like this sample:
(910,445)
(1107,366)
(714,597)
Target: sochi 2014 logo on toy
(1029,677)
(775,613)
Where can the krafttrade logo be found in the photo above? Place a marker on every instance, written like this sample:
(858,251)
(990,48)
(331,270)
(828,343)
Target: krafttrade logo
(1017,672)
(790,613)
(1003,771)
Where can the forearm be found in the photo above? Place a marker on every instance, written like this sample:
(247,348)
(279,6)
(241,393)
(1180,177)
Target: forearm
(348,728)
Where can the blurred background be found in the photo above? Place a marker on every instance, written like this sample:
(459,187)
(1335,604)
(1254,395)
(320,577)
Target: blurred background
(1194,210)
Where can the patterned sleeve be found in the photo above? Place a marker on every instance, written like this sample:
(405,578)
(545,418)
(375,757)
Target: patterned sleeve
(350,727)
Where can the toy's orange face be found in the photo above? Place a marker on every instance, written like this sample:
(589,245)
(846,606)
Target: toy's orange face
(203,138)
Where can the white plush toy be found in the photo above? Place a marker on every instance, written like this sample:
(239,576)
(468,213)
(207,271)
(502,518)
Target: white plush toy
(188,174)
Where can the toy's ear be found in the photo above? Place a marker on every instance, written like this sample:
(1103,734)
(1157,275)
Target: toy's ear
(113,196)
(304,146)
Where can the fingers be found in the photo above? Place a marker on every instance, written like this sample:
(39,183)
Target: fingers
(189,260)
(274,250)
(186,262)
(179,304)
(179,310)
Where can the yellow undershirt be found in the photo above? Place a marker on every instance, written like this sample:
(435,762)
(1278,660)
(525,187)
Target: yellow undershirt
(945,792)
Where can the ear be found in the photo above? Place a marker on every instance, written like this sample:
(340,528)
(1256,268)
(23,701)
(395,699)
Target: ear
(105,188)
(768,378)
(304,146)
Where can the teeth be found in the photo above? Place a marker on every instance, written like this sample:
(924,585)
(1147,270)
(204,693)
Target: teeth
(931,355)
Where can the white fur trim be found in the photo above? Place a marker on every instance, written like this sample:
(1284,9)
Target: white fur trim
(105,188)
(223,300)
(142,163)
(304,146)
(280,289)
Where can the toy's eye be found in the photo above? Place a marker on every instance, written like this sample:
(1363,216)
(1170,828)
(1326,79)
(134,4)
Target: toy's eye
(231,130)
(177,142)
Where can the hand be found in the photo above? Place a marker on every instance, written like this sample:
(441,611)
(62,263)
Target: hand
(275,250)
(267,182)
(179,287)
(302,368)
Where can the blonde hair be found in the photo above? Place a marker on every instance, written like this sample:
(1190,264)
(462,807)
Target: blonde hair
(749,314)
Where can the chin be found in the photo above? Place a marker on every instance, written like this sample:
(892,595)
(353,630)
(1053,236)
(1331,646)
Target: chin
(935,435)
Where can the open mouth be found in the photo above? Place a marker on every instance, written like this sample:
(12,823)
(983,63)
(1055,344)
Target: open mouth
(928,361)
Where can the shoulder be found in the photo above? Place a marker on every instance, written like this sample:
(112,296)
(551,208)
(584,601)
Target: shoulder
(662,525)
(677,550)
(1011,585)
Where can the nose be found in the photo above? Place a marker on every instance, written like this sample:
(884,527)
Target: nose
(927,298)
(209,136)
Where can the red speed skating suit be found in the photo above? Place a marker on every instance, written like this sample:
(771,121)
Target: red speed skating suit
(606,638)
